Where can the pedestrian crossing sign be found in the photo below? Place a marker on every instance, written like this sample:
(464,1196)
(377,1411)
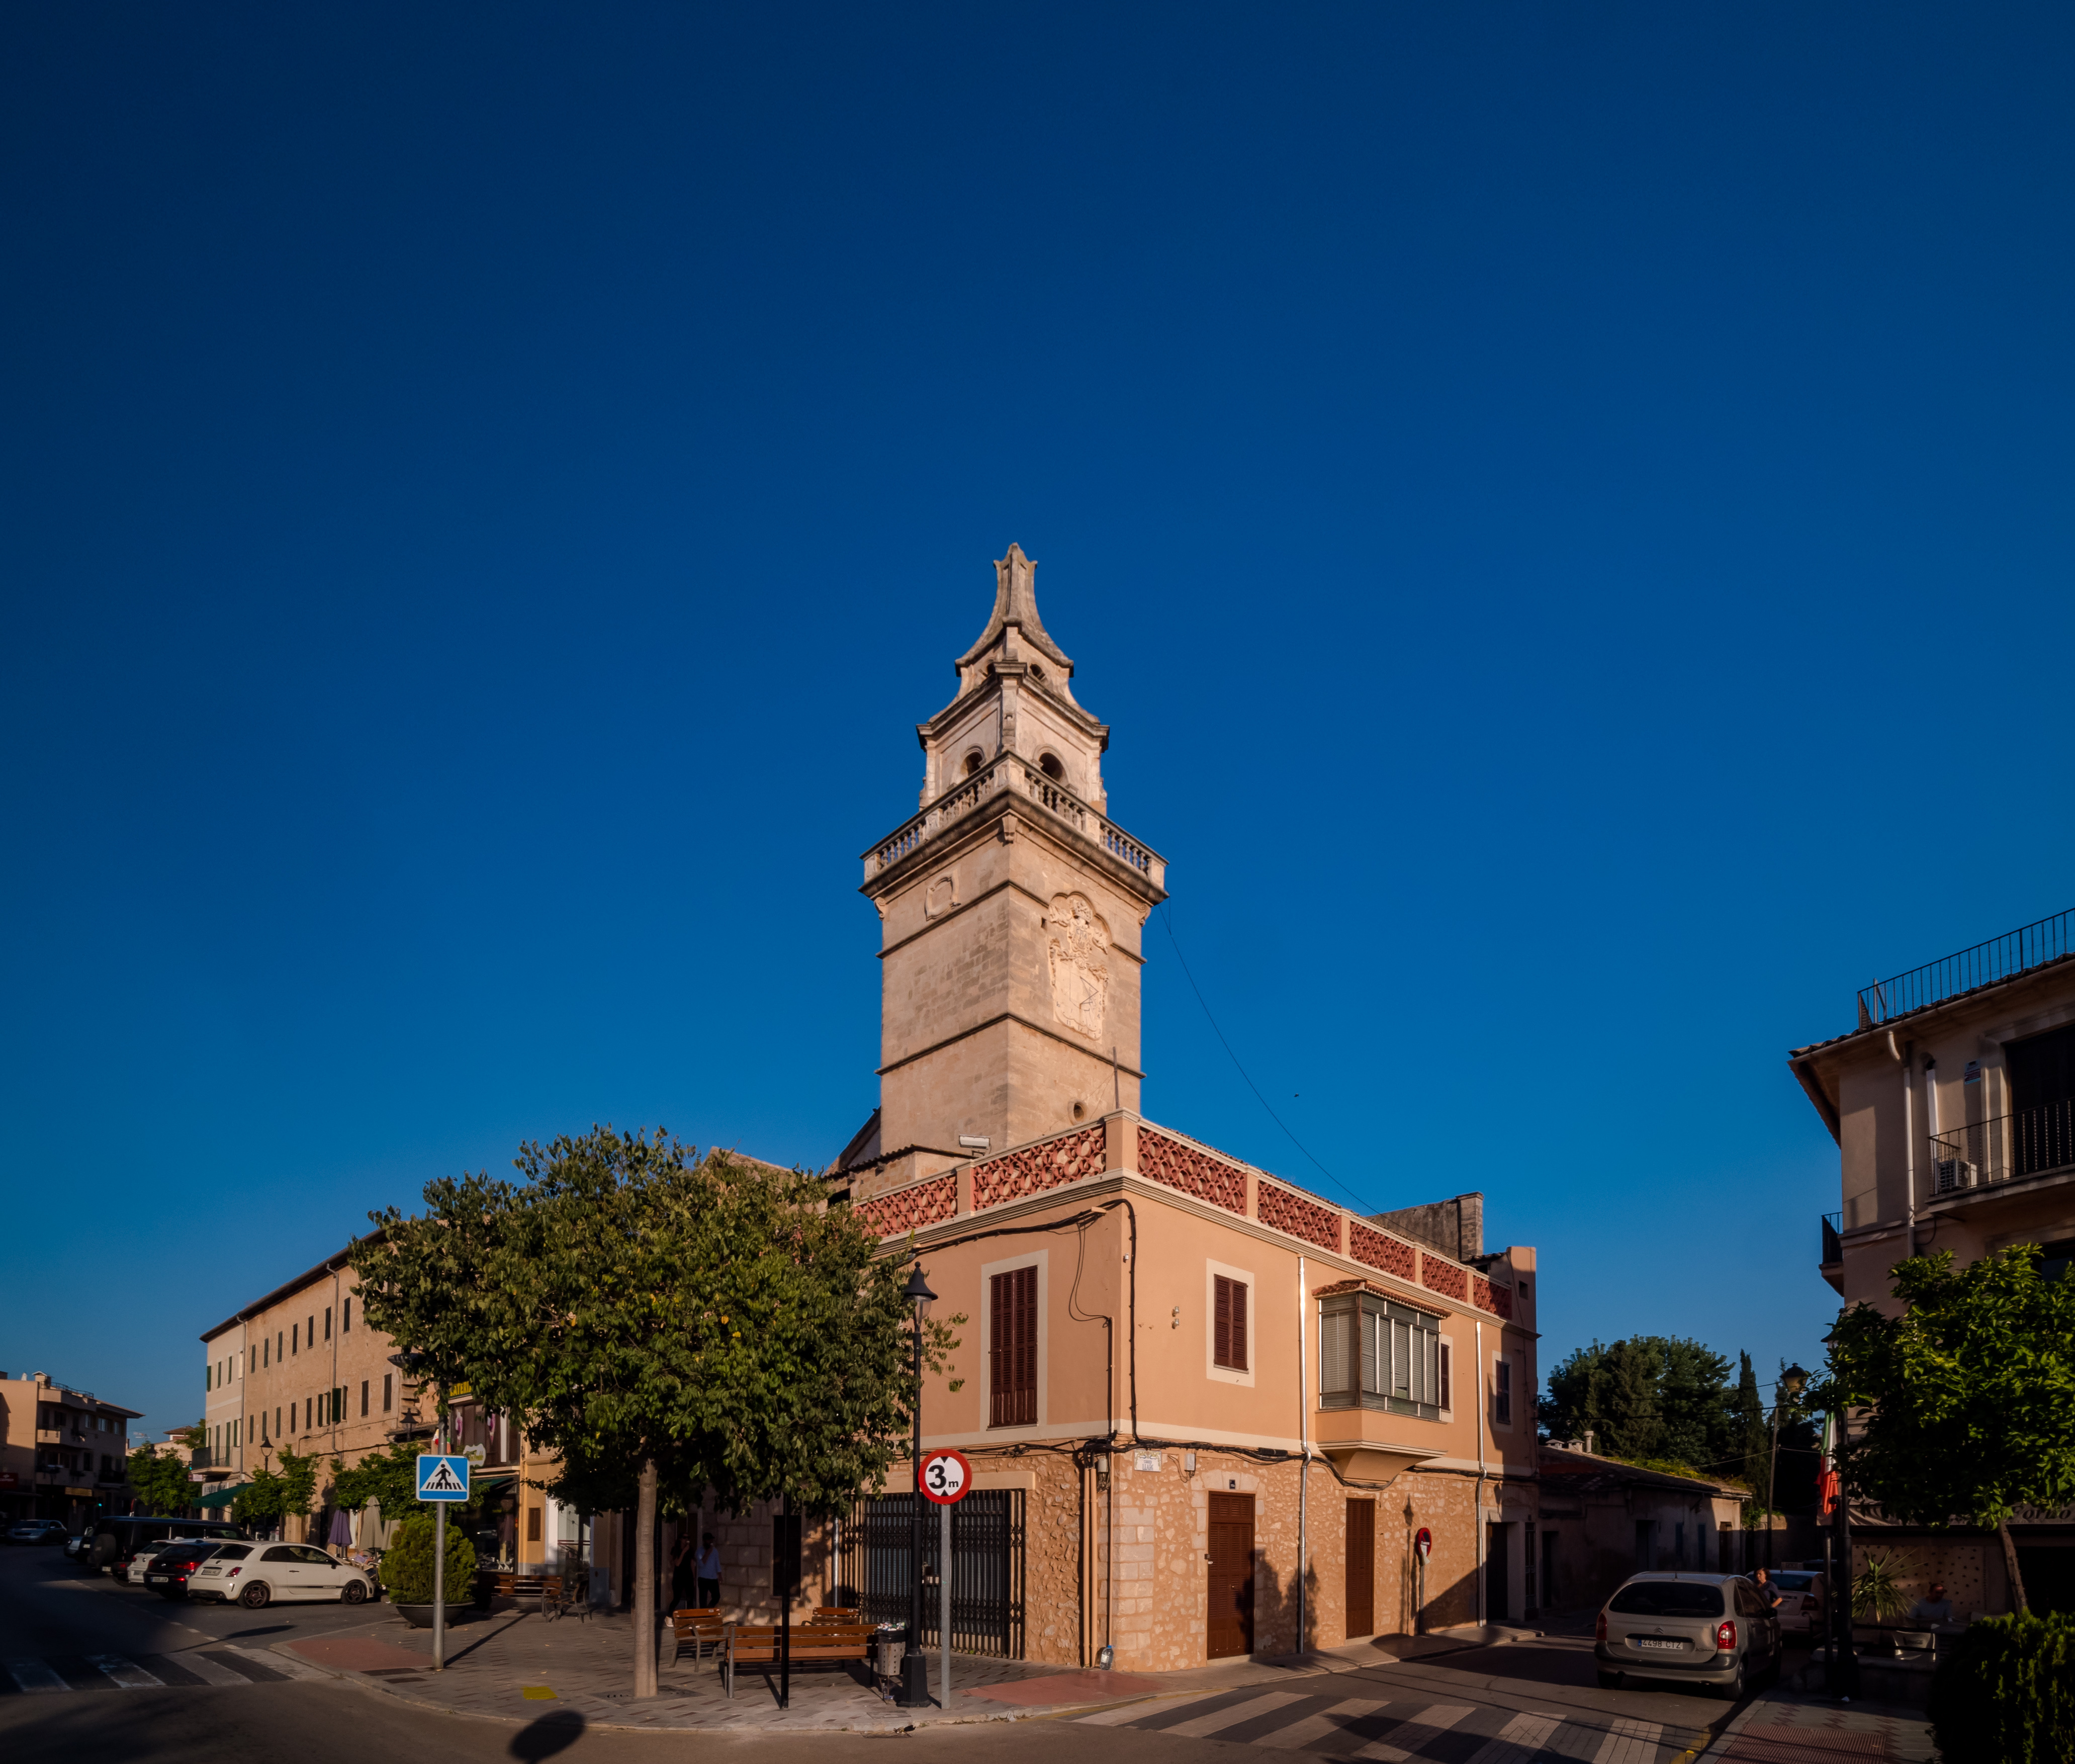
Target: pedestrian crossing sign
(441,1478)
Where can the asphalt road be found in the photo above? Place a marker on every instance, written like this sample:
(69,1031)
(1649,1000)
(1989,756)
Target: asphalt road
(220,1700)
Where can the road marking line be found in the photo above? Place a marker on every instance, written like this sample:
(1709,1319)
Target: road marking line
(1419,1729)
(1218,1720)
(1629,1742)
(210,1672)
(1138,1711)
(1323,1725)
(35,1677)
(127,1673)
(1518,1740)
(537,1693)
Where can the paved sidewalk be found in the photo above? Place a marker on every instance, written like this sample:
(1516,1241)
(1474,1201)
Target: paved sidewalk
(1791,1727)
(506,1665)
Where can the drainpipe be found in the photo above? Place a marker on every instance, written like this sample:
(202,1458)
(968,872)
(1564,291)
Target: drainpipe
(1304,1444)
(1909,1139)
(1478,1527)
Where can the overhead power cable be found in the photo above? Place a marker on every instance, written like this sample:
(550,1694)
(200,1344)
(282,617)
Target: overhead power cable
(1167,918)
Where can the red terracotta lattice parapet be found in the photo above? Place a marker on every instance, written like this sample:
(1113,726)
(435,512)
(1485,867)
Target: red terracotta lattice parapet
(1037,1168)
(911,1208)
(1445,1277)
(1164,1160)
(1391,1254)
(1301,1218)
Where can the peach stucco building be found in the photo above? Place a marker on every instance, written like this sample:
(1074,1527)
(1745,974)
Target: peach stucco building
(1224,1406)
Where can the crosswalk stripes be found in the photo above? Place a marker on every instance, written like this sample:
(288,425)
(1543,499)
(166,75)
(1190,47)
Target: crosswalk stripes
(1518,1740)
(226,1665)
(1409,1737)
(1629,1742)
(1379,1732)
(1203,1726)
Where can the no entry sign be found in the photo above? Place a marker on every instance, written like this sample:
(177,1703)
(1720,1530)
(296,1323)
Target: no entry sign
(944,1477)
(1423,1543)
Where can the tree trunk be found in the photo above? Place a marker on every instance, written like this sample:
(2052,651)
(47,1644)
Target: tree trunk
(645,1582)
(2010,1562)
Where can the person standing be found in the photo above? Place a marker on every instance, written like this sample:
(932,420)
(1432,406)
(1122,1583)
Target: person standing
(1768,1593)
(706,1567)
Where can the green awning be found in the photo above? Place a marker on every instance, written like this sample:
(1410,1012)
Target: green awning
(222,1497)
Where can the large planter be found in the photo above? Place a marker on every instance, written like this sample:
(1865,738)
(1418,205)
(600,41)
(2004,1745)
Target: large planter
(420,1617)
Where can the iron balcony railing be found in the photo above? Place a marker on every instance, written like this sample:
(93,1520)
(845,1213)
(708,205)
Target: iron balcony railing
(2000,958)
(2028,1142)
(1834,1242)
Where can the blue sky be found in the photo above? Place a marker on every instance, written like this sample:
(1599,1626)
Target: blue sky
(1566,510)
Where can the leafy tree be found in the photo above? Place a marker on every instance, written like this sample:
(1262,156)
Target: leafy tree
(261,1501)
(1650,1397)
(1970,1394)
(1753,1438)
(161,1480)
(662,1322)
(299,1482)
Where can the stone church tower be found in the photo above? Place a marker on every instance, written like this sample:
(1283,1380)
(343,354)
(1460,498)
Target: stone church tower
(1011,909)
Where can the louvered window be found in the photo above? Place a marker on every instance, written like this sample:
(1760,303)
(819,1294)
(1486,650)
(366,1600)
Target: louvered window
(1013,1348)
(1229,1324)
(1373,1354)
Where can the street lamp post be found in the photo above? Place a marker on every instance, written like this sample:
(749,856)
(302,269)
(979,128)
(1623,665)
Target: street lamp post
(1791,1381)
(915,1663)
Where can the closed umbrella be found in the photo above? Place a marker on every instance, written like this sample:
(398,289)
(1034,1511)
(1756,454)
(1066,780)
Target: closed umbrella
(341,1527)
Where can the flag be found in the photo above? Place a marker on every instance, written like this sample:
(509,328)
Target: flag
(1826,1479)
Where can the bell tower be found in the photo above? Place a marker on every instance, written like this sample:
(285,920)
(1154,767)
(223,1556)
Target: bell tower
(1012,909)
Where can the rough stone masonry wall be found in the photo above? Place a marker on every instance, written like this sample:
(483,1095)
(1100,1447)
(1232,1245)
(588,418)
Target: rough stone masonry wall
(1159,1538)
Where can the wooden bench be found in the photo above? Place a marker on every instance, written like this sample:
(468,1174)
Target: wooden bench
(543,1590)
(812,1644)
(697,1627)
(835,1613)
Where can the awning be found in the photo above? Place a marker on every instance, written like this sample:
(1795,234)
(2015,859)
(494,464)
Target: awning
(222,1497)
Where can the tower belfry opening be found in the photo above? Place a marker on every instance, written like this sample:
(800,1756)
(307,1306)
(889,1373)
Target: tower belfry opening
(1012,909)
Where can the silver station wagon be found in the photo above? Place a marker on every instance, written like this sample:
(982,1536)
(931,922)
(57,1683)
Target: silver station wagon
(1709,1629)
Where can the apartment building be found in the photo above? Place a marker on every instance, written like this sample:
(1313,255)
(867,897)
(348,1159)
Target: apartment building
(1210,1412)
(64,1453)
(1952,1105)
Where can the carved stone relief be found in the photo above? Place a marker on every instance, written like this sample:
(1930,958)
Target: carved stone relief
(1077,948)
(941,896)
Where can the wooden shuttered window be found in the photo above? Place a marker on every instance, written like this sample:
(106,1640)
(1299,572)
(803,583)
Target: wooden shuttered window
(1013,1348)
(1229,1324)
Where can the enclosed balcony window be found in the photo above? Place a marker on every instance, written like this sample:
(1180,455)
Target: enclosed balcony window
(1373,1354)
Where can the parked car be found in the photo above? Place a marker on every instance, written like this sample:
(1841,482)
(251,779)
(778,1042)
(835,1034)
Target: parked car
(1802,1599)
(36,1531)
(257,1573)
(78,1541)
(167,1573)
(1707,1629)
(117,1542)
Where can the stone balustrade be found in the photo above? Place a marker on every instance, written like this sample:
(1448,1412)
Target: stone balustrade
(1012,775)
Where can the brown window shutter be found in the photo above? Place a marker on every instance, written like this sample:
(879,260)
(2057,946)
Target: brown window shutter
(1221,1323)
(1238,1326)
(1013,1348)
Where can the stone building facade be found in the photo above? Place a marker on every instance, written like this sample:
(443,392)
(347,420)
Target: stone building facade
(1230,1408)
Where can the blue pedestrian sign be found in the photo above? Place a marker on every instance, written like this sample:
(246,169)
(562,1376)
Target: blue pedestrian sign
(443,1478)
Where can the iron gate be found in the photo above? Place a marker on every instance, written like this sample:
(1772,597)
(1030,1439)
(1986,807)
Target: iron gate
(987,1568)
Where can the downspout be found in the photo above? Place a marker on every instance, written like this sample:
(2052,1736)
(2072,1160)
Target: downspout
(1304,1444)
(1909,1141)
(1479,1524)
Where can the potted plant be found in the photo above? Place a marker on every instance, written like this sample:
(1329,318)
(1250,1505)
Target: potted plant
(1877,1593)
(407,1571)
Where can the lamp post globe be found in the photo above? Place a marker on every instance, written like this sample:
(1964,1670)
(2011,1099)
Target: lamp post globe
(914,1662)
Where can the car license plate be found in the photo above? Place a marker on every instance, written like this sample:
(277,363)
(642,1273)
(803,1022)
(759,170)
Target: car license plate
(155,1580)
(1659,1641)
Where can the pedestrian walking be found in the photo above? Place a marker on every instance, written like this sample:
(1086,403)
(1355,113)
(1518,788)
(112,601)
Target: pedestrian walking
(707,1569)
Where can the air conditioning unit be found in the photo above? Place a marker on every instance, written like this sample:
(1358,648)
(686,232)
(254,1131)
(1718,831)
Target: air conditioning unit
(1955,1173)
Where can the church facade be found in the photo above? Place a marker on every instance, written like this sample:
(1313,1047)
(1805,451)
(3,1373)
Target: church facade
(1233,1416)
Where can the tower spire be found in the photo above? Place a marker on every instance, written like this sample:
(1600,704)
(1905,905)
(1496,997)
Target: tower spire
(1016,603)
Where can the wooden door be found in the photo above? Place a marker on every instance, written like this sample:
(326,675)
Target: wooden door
(1230,1609)
(1361,1568)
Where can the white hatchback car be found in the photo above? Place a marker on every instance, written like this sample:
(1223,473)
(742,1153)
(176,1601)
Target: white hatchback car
(257,1573)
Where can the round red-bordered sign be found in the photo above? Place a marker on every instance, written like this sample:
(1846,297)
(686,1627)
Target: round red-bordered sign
(1423,1543)
(946,1476)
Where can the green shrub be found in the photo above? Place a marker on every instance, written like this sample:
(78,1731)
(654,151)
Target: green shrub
(407,1564)
(2006,1693)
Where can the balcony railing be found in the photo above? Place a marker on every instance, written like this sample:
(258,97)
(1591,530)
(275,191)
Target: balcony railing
(1017,776)
(1833,1243)
(2030,1142)
(2000,958)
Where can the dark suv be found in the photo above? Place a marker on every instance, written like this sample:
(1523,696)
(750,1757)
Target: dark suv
(118,1541)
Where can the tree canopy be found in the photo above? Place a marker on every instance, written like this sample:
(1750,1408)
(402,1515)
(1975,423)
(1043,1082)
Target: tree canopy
(1968,1396)
(660,1320)
(159,1476)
